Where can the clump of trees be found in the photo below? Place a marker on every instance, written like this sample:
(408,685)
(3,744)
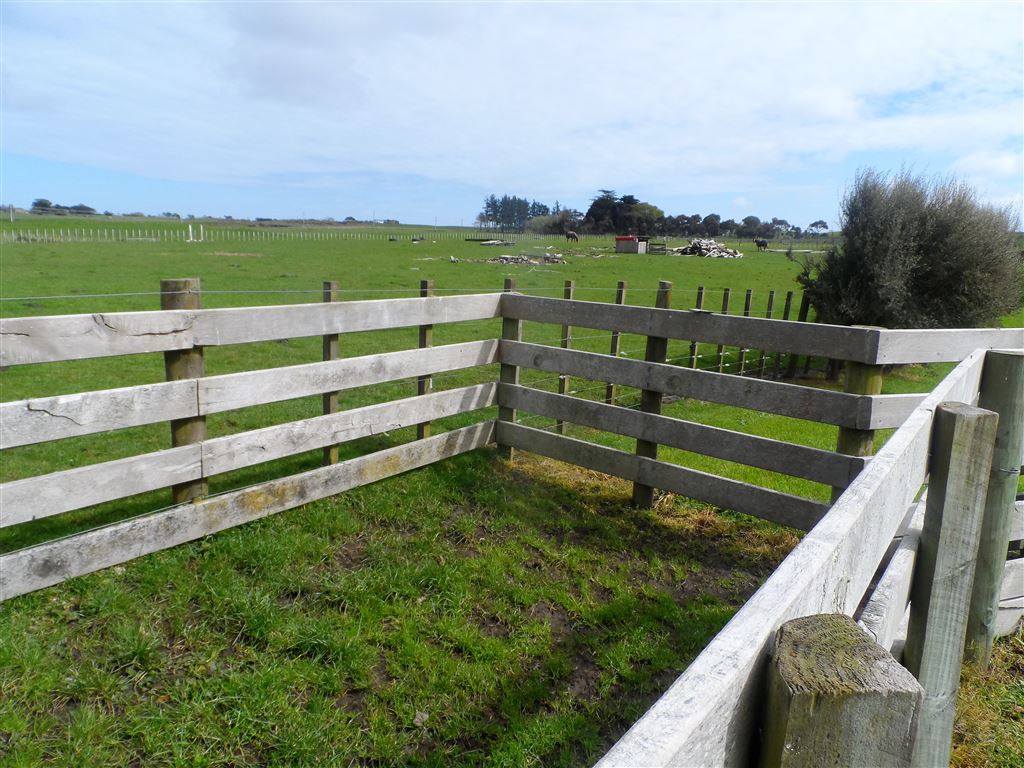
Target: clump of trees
(612,214)
(41,205)
(917,253)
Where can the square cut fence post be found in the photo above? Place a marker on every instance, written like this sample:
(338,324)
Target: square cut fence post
(720,351)
(185,293)
(836,698)
(963,439)
(566,343)
(425,384)
(694,345)
(1002,391)
(331,351)
(511,330)
(650,401)
(610,388)
(861,379)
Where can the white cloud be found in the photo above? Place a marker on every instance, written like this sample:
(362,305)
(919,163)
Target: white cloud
(544,99)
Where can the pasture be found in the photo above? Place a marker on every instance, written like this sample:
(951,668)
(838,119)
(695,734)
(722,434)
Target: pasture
(469,613)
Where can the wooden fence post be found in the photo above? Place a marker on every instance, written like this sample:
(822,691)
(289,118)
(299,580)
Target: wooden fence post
(566,343)
(425,384)
(620,298)
(746,313)
(768,316)
(786,307)
(801,317)
(861,379)
(331,348)
(1002,382)
(186,294)
(836,697)
(511,330)
(694,346)
(963,439)
(721,347)
(650,401)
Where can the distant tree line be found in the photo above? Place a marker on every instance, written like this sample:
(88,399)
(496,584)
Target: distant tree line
(42,205)
(611,214)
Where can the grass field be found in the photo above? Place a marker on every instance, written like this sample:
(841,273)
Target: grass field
(475,612)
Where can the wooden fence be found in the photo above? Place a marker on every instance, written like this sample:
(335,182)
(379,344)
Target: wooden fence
(708,716)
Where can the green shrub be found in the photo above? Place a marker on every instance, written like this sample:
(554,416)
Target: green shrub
(917,253)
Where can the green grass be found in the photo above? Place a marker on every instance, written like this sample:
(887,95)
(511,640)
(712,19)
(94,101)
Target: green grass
(474,612)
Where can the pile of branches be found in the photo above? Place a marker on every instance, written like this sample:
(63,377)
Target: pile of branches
(522,258)
(707,248)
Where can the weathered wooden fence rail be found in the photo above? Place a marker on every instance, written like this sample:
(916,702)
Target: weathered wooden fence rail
(857,559)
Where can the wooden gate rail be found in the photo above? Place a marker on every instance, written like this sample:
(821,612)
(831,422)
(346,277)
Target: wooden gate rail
(821,405)
(58,492)
(25,422)
(76,337)
(708,716)
(53,562)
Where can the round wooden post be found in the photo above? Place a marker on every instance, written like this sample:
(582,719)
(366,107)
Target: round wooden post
(566,343)
(184,294)
(1002,385)
(861,379)
(610,388)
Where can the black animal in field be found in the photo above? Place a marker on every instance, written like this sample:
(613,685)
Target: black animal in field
(761,243)
(571,236)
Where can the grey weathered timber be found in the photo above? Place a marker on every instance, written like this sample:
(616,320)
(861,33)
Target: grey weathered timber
(565,343)
(882,615)
(860,411)
(860,380)
(694,346)
(774,455)
(708,715)
(763,360)
(425,384)
(1002,391)
(26,422)
(75,337)
(747,298)
(836,698)
(331,351)
(1017,522)
(1011,598)
(801,317)
(786,307)
(43,565)
(961,459)
(801,338)
(240,390)
(46,495)
(942,345)
(777,507)
(650,399)
(511,331)
(616,346)
(184,364)
(720,350)
(224,454)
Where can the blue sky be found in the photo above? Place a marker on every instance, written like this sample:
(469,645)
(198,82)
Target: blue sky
(416,111)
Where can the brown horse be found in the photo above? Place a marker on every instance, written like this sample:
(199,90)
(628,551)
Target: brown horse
(761,243)
(571,236)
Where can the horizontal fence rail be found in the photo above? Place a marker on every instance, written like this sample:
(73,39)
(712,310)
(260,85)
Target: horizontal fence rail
(52,494)
(821,405)
(25,422)
(76,337)
(46,564)
(707,716)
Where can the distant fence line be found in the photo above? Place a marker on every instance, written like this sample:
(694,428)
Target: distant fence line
(200,233)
